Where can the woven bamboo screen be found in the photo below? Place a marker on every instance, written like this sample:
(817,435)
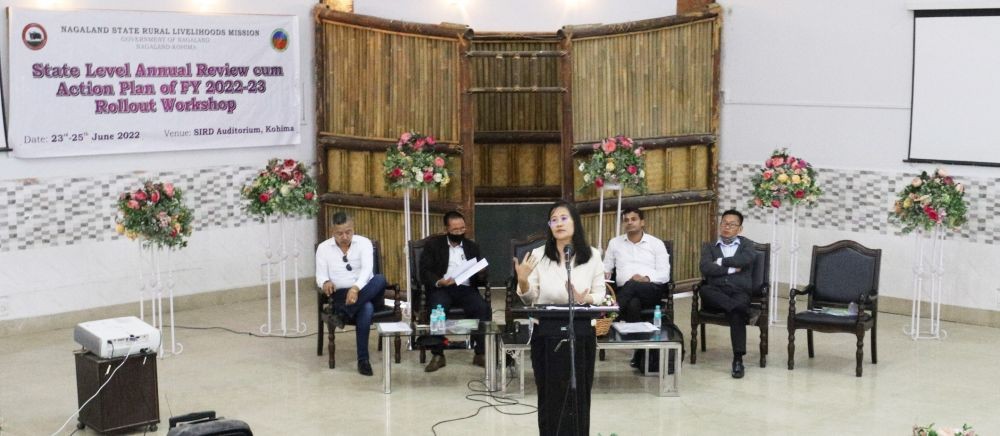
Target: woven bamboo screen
(647,84)
(685,224)
(379,84)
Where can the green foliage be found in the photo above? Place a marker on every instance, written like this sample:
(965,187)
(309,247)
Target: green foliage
(155,213)
(616,160)
(930,200)
(283,187)
(413,164)
(784,179)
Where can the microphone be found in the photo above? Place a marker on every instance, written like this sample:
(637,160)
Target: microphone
(567,256)
(568,253)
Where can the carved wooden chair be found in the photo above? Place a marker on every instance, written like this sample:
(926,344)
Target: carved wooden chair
(842,273)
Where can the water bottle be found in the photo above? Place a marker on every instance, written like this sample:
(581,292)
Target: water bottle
(436,320)
(657,317)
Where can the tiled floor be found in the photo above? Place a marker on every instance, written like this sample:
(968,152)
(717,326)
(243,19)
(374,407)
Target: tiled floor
(280,386)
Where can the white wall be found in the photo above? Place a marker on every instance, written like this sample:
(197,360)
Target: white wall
(54,278)
(831,81)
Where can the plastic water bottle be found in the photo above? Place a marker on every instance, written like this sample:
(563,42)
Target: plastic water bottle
(657,317)
(435,320)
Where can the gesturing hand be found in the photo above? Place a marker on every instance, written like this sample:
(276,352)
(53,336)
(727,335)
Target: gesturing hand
(525,267)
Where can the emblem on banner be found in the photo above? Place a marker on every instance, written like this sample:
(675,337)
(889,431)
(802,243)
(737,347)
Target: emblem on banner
(279,39)
(34,36)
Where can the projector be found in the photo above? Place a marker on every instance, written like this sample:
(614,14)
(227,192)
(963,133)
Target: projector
(116,337)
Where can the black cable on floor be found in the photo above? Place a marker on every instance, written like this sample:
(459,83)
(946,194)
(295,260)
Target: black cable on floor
(256,335)
(502,401)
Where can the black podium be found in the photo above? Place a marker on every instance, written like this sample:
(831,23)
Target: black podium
(561,411)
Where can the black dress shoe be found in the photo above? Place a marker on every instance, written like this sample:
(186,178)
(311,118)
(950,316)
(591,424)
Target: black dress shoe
(636,359)
(364,367)
(738,368)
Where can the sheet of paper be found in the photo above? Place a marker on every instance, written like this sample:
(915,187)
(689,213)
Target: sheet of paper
(470,268)
(634,327)
(392,327)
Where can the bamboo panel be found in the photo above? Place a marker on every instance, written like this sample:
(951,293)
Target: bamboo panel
(380,83)
(647,84)
(699,167)
(335,161)
(678,168)
(685,224)
(359,171)
(508,165)
(552,167)
(521,111)
(387,227)
(656,171)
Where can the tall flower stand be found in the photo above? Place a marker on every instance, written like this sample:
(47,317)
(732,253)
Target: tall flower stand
(408,236)
(281,262)
(600,214)
(928,266)
(793,261)
(156,278)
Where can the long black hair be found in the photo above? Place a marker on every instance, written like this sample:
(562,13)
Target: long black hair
(580,246)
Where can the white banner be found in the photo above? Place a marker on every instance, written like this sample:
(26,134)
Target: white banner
(102,82)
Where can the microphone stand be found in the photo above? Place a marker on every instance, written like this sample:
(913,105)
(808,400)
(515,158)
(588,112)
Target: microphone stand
(571,336)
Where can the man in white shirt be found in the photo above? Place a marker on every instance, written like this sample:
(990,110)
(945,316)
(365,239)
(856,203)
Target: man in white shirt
(344,265)
(641,265)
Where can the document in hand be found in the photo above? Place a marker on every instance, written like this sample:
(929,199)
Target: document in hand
(469,268)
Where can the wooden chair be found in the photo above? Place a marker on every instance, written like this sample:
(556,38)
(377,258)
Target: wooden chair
(842,273)
(382,313)
(759,306)
(419,294)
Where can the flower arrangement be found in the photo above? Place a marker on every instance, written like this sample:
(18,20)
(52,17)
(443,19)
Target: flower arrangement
(155,213)
(784,179)
(412,163)
(929,430)
(929,200)
(283,187)
(616,160)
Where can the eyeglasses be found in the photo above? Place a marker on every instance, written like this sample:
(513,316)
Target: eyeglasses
(729,225)
(555,221)
(346,262)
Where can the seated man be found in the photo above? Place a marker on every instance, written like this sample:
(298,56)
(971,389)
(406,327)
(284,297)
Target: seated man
(641,264)
(438,266)
(726,267)
(344,266)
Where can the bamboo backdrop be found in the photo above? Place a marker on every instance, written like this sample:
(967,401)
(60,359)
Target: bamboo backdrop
(378,84)
(360,172)
(685,224)
(518,165)
(648,84)
(387,227)
(517,111)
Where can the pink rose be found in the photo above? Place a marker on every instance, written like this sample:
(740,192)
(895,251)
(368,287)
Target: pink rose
(168,188)
(609,146)
(264,197)
(916,182)
(439,162)
(309,195)
(140,195)
(777,161)
(632,169)
(768,164)
(960,187)
(431,140)
(405,137)
(775,203)
(800,194)
(948,180)
(931,213)
(942,173)
(599,182)
(155,197)
(597,146)
(396,173)
(758,202)
(639,151)
(768,174)
(132,204)
(420,143)
(289,163)
(429,176)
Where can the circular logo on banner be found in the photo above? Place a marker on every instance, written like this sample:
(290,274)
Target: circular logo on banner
(279,39)
(34,36)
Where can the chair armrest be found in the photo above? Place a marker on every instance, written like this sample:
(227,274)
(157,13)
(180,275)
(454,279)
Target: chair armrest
(793,292)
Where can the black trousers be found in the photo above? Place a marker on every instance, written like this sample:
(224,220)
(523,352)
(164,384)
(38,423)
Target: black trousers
(466,297)
(634,296)
(559,411)
(736,304)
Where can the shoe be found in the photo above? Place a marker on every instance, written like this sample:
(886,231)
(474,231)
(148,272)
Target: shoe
(437,362)
(479,360)
(364,367)
(738,367)
(636,360)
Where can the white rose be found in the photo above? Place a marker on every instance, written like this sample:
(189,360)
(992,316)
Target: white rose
(581,166)
(586,178)
(285,190)
(642,174)
(437,177)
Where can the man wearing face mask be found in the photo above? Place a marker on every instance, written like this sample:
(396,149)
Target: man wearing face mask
(438,266)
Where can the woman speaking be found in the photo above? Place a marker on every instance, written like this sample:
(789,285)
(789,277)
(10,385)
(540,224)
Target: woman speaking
(542,279)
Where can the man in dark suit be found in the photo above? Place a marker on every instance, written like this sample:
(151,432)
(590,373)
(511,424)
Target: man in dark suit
(726,266)
(438,265)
